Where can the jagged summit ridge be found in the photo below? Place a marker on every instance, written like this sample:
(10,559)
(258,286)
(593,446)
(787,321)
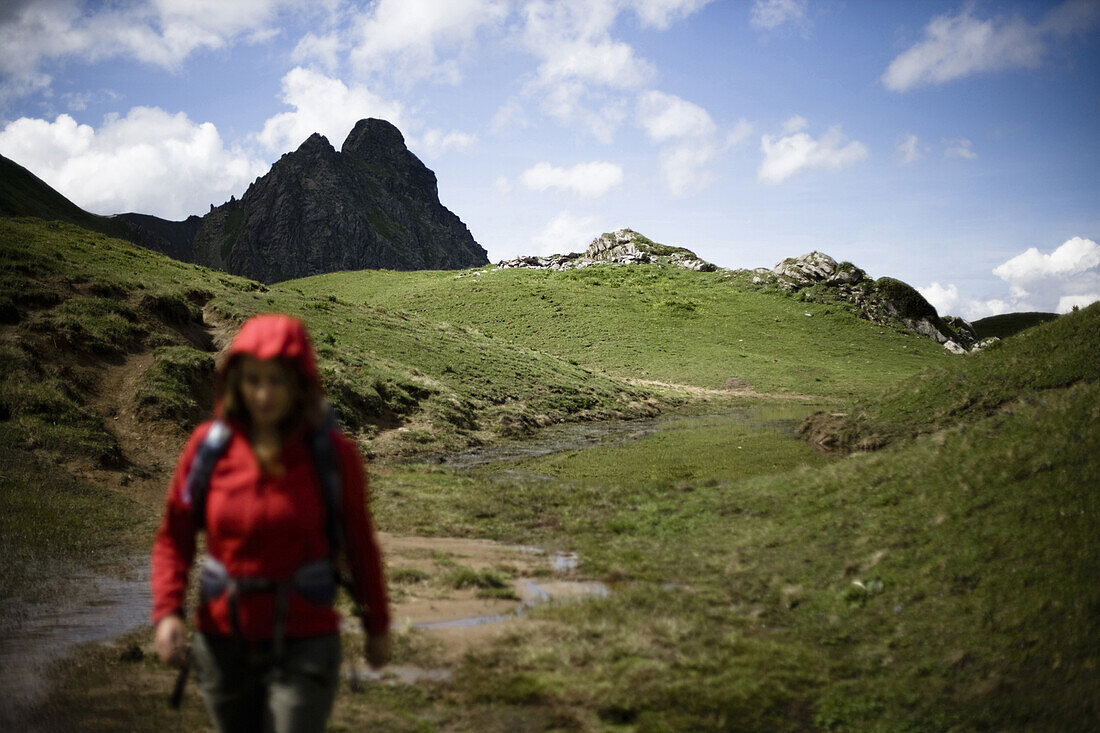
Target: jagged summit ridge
(371,205)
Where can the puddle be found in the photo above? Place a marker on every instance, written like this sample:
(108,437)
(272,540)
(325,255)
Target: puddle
(394,675)
(87,608)
(532,594)
(782,418)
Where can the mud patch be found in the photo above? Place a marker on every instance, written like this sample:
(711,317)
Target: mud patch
(86,607)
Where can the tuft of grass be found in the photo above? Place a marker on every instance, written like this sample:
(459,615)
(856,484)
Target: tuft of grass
(179,385)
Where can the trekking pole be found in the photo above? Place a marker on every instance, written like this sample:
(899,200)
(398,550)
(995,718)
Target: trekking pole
(181,682)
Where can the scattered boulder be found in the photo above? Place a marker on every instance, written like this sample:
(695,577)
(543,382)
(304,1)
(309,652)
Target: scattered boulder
(818,277)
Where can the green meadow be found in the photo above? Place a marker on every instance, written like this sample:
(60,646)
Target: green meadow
(934,570)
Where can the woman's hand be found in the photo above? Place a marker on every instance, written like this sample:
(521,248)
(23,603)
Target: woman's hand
(378,650)
(171,641)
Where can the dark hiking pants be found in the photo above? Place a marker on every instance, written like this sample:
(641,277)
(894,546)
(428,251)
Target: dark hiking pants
(246,689)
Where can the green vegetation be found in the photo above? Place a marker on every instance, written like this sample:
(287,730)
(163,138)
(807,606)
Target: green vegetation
(653,322)
(943,582)
(178,386)
(1021,369)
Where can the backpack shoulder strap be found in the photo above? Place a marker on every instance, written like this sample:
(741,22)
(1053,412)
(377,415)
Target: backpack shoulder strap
(331,480)
(197,484)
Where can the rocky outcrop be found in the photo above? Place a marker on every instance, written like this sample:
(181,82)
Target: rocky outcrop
(622,247)
(371,205)
(818,277)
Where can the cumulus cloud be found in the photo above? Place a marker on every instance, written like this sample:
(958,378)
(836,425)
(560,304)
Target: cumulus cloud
(689,138)
(947,300)
(325,105)
(148,161)
(35,34)
(416,39)
(771,14)
(959,148)
(959,45)
(590,180)
(1068,276)
(565,233)
(796,151)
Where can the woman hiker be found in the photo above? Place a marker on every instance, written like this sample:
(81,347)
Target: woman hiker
(281,495)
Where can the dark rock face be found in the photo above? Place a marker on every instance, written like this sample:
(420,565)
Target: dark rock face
(373,205)
(173,238)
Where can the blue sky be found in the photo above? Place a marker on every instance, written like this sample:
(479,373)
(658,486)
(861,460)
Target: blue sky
(952,144)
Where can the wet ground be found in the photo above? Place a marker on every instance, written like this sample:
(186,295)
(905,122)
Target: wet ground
(85,607)
(90,607)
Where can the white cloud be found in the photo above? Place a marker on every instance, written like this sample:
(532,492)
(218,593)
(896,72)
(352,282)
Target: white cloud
(660,13)
(322,50)
(502,185)
(590,180)
(1068,302)
(409,37)
(434,143)
(910,148)
(959,148)
(149,161)
(1068,276)
(162,33)
(325,105)
(666,116)
(770,14)
(949,302)
(565,233)
(955,46)
(796,151)
(689,137)
(583,71)
(739,134)
(509,117)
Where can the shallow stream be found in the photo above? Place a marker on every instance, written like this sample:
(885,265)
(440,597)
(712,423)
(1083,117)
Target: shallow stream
(90,607)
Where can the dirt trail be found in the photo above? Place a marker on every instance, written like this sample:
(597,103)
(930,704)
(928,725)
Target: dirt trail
(697,391)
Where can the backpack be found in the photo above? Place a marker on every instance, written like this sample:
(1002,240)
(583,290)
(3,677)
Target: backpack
(330,479)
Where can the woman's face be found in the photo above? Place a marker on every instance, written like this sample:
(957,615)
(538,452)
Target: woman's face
(267,391)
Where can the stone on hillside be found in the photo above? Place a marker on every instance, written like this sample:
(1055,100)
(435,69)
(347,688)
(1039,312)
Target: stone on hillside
(623,247)
(953,347)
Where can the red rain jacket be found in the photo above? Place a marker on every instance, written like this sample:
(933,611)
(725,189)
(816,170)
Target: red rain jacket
(265,526)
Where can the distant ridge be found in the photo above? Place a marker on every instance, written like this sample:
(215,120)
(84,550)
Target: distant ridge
(24,194)
(372,205)
(1009,324)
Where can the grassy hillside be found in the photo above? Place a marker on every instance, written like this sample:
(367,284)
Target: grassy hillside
(97,334)
(1022,368)
(1009,324)
(654,322)
(24,194)
(946,582)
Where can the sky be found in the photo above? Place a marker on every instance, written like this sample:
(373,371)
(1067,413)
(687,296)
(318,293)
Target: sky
(953,145)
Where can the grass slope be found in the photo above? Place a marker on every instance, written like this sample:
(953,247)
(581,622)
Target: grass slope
(1009,324)
(654,322)
(944,583)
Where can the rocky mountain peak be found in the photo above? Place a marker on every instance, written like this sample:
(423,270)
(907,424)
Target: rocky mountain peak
(374,138)
(373,204)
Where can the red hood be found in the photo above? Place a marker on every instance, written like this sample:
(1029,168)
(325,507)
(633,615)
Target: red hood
(274,336)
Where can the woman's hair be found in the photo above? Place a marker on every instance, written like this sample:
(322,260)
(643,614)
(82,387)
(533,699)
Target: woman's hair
(307,400)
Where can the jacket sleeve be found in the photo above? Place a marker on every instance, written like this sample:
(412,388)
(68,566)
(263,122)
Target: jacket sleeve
(364,555)
(174,542)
